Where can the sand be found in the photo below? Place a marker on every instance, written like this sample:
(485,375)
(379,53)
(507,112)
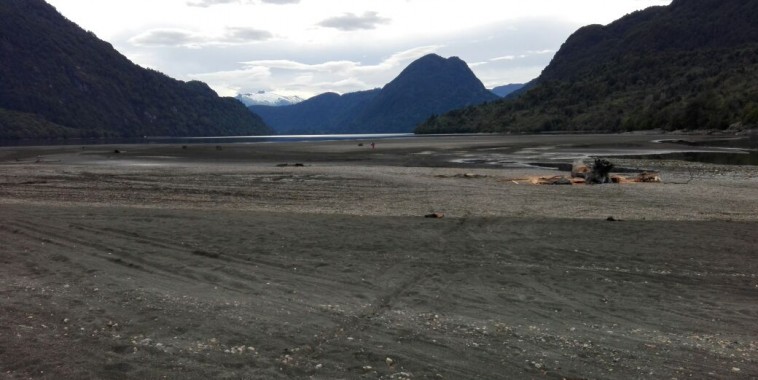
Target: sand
(314,260)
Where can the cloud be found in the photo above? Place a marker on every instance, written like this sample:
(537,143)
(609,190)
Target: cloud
(538,52)
(167,37)
(348,67)
(245,35)
(503,58)
(351,21)
(312,78)
(210,3)
(188,39)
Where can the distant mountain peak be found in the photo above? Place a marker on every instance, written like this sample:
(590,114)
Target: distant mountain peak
(429,85)
(264,98)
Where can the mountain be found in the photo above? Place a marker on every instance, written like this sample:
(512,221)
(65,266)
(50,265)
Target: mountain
(689,65)
(428,86)
(503,91)
(58,81)
(322,114)
(263,98)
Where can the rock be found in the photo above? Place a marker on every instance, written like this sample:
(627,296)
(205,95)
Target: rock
(435,215)
(579,169)
(390,362)
(599,173)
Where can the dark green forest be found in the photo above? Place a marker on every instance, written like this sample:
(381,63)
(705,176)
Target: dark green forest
(59,81)
(690,65)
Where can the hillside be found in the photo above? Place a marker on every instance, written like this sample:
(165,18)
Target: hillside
(689,65)
(321,114)
(503,91)
(60,81)
(428,86)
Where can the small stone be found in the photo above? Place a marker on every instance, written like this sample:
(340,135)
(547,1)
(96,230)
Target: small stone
(389,362)
(735,369)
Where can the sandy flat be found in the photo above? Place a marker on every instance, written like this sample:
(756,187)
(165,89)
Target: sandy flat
(314,260)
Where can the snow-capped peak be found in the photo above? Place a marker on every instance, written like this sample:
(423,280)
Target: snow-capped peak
(263,98)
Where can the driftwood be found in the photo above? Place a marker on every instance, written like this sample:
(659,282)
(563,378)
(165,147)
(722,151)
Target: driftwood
(648,177)
(597,173)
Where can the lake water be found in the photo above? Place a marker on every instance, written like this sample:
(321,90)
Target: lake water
(208,140)
(721,158)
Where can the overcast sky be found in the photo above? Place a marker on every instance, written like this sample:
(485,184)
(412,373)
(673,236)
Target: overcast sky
(307,47)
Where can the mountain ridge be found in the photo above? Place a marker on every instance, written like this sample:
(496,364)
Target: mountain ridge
(322,114)
(265,98)
(505,90)
(60,81)
(430,85)
(683,66)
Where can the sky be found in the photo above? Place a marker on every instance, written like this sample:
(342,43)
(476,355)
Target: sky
(308,47)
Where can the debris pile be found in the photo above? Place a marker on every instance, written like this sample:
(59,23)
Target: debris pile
(597,173)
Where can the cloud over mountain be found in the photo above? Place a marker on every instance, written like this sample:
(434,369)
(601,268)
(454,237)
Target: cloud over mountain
(337,75)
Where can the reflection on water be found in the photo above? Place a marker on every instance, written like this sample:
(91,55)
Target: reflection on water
(722,158)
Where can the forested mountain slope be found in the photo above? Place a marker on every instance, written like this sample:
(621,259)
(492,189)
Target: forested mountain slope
(689,65)
(57,81)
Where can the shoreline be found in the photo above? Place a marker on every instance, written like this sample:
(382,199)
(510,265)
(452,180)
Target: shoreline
(205,263)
